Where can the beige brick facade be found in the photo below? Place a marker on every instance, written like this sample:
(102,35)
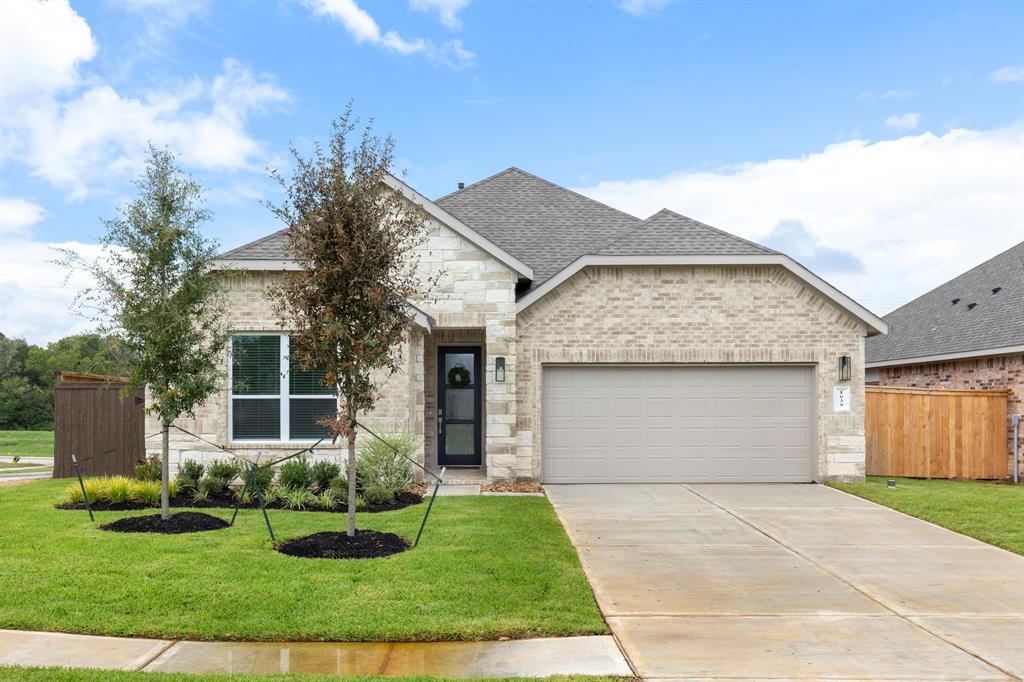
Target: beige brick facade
(1001,372)
(703,314)
(623,314)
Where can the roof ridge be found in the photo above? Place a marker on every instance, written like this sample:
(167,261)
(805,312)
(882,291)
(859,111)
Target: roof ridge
(478,182)
(253,243)
(719,230)
(622,236)
(956,277)
(572,191)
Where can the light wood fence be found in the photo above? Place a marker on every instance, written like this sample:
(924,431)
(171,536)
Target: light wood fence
(935,433)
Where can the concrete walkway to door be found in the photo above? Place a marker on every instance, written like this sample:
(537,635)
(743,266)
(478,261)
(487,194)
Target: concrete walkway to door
(792,581)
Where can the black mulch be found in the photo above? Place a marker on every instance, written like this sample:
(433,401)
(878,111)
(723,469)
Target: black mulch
(182,522)
(227,500)
(366,544)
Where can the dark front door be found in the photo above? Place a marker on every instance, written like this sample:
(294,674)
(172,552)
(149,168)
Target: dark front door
(459,405)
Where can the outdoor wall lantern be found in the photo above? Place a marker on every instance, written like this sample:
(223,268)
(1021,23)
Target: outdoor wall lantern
(499,369)
(845,368)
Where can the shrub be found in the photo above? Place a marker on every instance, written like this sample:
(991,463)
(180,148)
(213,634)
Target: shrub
(223,469)
(262,477)
(298,498)
(296,474)
(327,500)
(200,495)
(149,469)
(119,489)
(376,495)
(323,472)
(381,466)
(189,474)
(339,486)
(213,484)
(147,492)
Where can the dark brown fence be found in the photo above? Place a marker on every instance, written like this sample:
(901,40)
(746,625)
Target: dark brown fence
(92,421)
(935,433)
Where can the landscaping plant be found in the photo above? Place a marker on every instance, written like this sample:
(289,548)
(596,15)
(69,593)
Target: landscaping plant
(189,474)
(296,474)
(156,291)
(323,473)
(384,465)
(353,237)
(149,469)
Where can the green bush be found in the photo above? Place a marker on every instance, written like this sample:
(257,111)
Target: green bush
(213,484)
(296,474)
(147,492)
(327,500)
(189,474)
(339,487)
(225,469)
(149,469)
(379,465)
(118,490)
(375,495)
(323,472)
(262,477)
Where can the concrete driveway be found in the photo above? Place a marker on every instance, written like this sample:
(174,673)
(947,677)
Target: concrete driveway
(792,581)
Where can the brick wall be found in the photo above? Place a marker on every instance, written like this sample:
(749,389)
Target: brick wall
(683,314)
(1002,372)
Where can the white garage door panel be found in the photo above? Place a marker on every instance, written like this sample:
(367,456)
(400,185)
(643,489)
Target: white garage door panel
(684,423)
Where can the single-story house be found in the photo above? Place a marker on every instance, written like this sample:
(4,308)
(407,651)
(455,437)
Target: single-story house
(965,334)
(571,342)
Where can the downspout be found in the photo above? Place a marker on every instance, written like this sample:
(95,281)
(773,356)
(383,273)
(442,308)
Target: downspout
(1016,448)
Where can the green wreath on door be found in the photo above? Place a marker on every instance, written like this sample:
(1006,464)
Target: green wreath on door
(458,377)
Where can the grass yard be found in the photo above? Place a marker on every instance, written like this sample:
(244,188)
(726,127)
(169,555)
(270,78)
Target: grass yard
(26,443)
(86,675)
(989,512)
(487,567)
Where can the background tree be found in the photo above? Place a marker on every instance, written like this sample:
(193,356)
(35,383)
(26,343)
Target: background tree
(157,293)
(346,309)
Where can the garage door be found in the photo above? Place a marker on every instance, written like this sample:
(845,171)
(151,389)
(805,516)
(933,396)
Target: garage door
(649,424)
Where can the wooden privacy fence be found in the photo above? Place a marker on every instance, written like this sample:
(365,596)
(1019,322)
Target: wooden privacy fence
(935,433)
(91,420)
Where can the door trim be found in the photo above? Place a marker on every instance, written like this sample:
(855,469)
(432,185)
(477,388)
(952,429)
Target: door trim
(476,459)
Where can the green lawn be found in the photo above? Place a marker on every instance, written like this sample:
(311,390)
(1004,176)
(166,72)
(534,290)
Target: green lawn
(487,567)
(86,675)
(990,512)
(26,443)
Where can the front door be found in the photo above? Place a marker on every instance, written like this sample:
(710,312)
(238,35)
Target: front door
(459,405)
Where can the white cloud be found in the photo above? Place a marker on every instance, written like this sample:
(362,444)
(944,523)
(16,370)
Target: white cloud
(904,122)
(18,215)
(915,211)
(897,94)
(1008,74)
(160,20)
(364,29)
(641,7)
(36,295)
(78,132)
(447,11)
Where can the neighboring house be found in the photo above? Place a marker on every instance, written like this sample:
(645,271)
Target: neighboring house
(965,334)
(572,342)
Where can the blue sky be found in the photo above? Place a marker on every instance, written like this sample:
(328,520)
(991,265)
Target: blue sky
(881,143)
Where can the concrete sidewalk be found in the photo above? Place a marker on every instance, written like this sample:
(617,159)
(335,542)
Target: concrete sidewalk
(521,658)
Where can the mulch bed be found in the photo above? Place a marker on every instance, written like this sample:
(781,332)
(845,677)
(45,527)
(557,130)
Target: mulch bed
(366,544)
(182,522)
(227,500)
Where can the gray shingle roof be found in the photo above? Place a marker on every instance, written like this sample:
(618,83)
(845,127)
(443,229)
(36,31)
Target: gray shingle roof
(670,234)
(933,325)
(544,225)
(271,247)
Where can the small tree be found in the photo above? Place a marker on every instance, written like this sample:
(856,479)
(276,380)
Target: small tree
(354,238)
(156,291)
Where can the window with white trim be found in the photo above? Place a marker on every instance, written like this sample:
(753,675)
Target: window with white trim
(273,398)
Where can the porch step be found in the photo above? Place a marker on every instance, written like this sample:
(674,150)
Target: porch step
(457,489)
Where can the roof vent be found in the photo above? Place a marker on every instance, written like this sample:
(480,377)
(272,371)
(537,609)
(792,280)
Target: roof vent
(997,290)
(970,306)
(955,301)
(462,185)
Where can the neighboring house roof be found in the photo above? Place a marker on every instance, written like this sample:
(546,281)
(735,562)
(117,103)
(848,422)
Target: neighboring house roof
(543,224)
(987,317)
(667,232)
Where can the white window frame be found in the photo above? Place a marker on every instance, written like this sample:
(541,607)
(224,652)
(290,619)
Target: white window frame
(283,396)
